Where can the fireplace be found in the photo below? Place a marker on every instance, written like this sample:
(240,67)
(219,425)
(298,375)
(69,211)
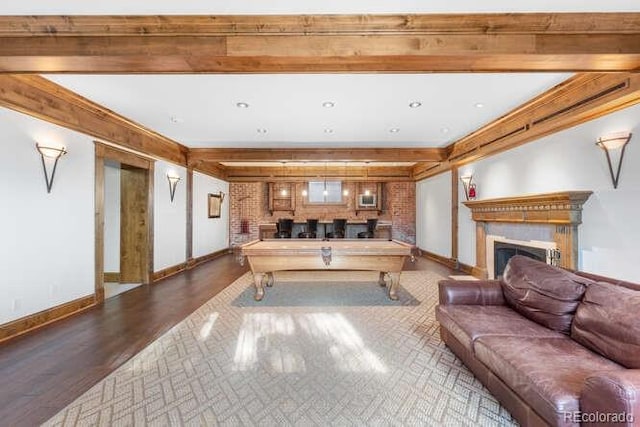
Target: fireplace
(500,249)
(502,253)
(546,221)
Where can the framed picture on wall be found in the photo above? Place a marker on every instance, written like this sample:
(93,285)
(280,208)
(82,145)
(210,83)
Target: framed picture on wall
(215,202)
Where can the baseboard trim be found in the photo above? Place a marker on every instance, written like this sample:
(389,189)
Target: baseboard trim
(169,271)
(37,320)
(447,262)
(466,269)
(205,258)
(112,277)
(480,273)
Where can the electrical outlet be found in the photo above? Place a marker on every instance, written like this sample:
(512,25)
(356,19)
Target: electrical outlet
(17,303)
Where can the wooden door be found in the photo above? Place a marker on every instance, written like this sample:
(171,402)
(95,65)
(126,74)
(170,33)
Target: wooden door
(134,227)
(136,216)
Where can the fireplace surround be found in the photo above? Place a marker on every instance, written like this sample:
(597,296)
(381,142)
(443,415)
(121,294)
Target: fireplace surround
(500,249)
(555,215)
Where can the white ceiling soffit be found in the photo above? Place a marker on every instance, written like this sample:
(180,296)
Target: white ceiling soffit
(286,110)
(198,7)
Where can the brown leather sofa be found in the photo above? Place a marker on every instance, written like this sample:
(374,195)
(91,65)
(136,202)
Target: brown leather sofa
(554,347)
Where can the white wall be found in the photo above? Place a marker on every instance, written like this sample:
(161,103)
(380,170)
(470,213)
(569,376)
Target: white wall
(170,218)
(209,234)
(570,160)
(433,214)
(112,217)
(47,246)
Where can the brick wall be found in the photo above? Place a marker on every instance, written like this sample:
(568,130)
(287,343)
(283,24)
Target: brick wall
(249,202)
(400,200)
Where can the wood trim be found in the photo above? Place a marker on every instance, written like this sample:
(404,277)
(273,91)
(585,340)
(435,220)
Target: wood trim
(221,25)
(454,213)
(169,271)
(321,43)
(467,269)
(205,258)
(45,100)
(447,262)
(211,168)
(189,225)
(316,173)
(148,275)
(317,154)
(122,156)
(550,208)
(582,98)
(99,222)
(45,317)
(111,277)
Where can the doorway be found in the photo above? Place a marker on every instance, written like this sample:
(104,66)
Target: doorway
(124,221)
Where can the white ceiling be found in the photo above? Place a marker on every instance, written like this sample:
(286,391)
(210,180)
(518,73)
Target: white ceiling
(120,7)
(202,111)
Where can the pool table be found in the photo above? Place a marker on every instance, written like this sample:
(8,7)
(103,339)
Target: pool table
(384,256)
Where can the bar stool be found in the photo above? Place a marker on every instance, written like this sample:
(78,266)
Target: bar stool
(284,227)
(312,230)
(371,228)
(339,226)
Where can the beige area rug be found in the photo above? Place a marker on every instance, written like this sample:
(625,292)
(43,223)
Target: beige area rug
(322,348)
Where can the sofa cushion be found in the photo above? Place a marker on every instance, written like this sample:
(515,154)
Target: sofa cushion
(468,322)
(543,293)
(607,322)
(548,373)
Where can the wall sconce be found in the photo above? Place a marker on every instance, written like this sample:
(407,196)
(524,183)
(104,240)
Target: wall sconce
(173,182)
(469,187)
(221,195)
(610,143)
(50,153)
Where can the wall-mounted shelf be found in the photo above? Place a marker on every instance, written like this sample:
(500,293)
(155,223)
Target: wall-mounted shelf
(278,201)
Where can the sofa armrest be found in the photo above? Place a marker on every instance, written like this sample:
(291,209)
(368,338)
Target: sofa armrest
(470,292)
(611,394)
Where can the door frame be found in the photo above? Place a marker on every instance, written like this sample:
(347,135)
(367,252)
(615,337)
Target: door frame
(104,153)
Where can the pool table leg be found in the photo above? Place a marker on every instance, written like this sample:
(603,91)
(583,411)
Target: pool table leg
(381,280)
(269,280)
(257,281)
(393,288)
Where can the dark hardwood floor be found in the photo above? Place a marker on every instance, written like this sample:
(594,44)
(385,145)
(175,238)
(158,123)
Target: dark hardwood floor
(43,371)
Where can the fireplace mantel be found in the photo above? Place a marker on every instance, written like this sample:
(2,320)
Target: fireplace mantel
(562,211)
(550,208)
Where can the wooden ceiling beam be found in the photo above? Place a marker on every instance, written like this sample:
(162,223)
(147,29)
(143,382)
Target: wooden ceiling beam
(46,100)
(318,173)
(320,43)
(204,25)
(317,154)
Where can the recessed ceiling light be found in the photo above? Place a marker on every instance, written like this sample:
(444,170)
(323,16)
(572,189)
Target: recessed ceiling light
(328,104)
(479,105)
(261,130)
(328,130)
(415,104)
(242,105)
(444,130)
(394,130)
(175,119)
